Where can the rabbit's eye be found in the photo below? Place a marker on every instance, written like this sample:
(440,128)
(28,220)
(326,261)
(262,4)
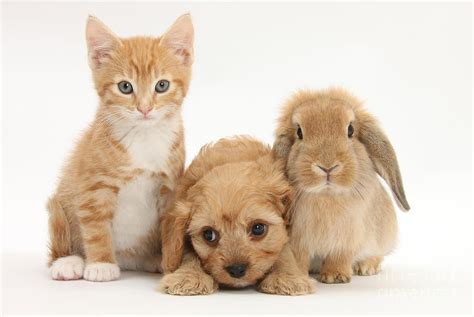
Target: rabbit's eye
(299,133)
(350,130)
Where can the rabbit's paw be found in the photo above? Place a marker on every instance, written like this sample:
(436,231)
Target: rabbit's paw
(334,277)
(370,266)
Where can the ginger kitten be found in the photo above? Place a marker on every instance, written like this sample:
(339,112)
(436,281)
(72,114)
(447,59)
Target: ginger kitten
(104,214)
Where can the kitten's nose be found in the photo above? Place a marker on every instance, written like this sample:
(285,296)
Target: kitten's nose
(236,270)
(144,110)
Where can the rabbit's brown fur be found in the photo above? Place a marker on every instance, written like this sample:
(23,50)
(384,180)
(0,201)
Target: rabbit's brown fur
(343,221)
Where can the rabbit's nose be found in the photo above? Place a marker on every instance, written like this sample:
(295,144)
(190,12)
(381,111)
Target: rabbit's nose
(328,170)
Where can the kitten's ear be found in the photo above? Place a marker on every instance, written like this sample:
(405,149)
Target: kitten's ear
(180,39)
(100,42)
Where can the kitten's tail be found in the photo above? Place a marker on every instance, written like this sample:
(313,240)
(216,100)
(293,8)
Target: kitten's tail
(59,231)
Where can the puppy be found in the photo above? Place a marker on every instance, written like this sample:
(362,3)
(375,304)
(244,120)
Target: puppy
(228,224)
(334,151)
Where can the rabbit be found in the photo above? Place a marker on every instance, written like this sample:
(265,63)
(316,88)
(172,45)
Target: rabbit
(342,220)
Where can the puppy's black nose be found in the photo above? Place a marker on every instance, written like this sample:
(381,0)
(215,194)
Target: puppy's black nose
(236,270)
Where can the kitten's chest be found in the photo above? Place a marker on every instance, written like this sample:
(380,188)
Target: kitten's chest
(149,147)
(137,211)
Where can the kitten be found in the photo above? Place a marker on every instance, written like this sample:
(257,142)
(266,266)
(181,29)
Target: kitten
(104,214)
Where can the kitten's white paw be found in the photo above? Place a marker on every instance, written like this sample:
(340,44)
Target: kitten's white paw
(67,268)
(101,272)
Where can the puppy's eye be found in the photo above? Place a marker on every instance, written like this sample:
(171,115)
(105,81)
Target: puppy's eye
(258,230)
(210,235)
(350,130)
(299,133)
(125,87)
(162,86)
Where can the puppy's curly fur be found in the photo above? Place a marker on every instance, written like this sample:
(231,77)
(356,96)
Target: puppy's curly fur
(228,188)
(342,218)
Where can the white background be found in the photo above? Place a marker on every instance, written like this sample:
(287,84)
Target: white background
(411,63)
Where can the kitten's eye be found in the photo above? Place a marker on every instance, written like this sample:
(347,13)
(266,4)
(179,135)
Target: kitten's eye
(162,86)
(258,229)
(210,235)
(125,87)
(350,130)
(299,133)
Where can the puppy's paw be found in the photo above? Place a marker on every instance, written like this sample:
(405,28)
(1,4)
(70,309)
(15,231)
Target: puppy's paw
(187,283)
(334,277)
(101,272)
(370,266)
(67,268)
(287,284)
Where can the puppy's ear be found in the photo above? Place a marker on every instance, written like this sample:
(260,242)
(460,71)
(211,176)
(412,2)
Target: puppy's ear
(279,189)
(382,155)
(173,235)
(287,201)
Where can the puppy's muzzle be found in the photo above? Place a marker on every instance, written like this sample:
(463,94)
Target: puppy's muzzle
(236,270)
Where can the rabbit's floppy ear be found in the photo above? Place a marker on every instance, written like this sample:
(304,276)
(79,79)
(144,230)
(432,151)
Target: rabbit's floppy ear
(282,145)
(173,235)
(285,132)
(382,155)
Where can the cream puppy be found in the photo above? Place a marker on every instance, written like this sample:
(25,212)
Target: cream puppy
(228,224)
